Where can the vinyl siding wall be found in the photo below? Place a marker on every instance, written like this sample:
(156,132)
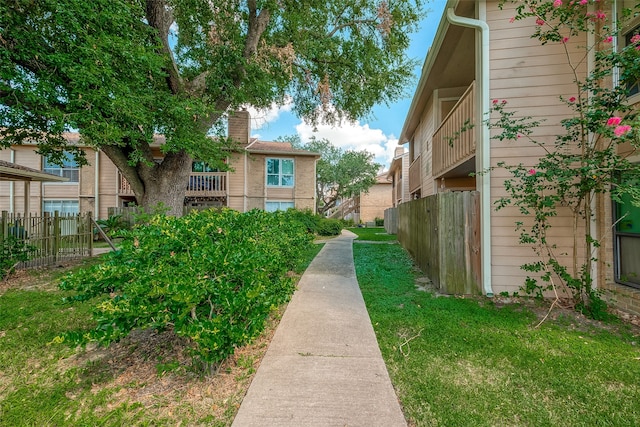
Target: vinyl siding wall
(529,77)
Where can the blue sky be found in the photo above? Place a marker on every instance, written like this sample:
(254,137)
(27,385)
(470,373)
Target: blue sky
(378,135)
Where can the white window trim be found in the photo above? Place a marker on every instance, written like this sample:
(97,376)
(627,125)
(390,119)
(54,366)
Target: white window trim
(292,202)
(266,172)
(61,169)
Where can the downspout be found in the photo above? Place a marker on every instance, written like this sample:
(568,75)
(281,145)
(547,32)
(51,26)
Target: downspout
(483,155)
(12,188)
(96,189)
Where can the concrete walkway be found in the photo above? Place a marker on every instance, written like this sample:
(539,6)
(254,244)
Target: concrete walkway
(323,366)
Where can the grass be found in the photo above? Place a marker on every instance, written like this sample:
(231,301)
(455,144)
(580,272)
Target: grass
(468,362)
(373,234)
(143,380)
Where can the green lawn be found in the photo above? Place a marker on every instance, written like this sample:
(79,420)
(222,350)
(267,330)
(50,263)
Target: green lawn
(374,234)
(466,362)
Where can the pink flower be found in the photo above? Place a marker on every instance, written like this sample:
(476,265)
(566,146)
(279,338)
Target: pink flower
(572,99)
(495,101)
(614,121)
(532,171)
(512,19)
(600,15)
(540,22)
(608,39)
(621,130)
(565,39)
(557,3)
(583,2)
(635,39)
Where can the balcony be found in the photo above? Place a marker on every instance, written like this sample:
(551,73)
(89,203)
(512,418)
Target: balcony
(454,142)
(201,184)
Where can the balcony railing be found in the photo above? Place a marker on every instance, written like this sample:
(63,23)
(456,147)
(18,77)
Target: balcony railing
(415,176)
(207,184)
(454,142)
(201,184)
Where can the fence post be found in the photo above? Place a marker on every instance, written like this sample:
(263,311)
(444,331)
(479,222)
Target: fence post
(89,234)
(4,225)
(56,234)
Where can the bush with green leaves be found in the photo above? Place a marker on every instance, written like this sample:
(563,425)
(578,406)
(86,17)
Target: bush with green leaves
(13,250)
(330,227)
(211,276)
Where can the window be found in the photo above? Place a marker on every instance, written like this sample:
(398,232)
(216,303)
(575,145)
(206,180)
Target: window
(200,166)
(627,240)
(634,86)
(64,207)
(69,168)
(280,172)
(279,206)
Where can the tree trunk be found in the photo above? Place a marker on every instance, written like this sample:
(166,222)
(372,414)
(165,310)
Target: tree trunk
(166,183)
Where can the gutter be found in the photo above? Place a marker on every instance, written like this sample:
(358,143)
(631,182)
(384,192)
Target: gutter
(12,188)
(483,155)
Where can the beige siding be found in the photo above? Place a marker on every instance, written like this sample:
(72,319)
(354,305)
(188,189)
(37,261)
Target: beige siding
(235,183)
(24,155)
(529,77)
(424,134)
(374,203)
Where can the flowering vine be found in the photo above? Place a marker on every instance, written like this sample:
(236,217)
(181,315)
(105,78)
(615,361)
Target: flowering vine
(583,163)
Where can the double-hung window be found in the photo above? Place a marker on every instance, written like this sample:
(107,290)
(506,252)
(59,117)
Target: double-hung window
(68,169)
(280,172)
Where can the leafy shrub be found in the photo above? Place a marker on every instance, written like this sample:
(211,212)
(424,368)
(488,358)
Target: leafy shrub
(379,222)
(212,276)
(12,251)
(306,217)
(330,227)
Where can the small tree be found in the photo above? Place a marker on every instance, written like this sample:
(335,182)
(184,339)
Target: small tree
(584,161)
(340,174)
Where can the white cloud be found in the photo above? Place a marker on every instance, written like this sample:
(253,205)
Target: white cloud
(262,117)
(353,136)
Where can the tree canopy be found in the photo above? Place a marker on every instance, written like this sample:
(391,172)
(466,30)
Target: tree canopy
(120,71)
(340,174)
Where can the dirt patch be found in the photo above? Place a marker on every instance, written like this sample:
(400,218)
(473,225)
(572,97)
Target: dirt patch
(154,369)
(558,314)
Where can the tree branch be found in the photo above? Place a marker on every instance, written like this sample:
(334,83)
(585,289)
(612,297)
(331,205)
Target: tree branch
(258,23)
(159,16)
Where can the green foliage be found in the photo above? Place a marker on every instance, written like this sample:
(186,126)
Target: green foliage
(121,71)
(211,276)
(340,174)
(379,222)
(330,227)
(13,250)
(583,161)
(113,225)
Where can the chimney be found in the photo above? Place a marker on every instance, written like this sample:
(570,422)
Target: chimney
(239,126)
(399,152)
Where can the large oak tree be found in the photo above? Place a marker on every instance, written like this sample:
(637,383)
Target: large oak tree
(120,71)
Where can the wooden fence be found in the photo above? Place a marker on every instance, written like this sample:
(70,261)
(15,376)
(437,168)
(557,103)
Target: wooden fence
(52,238)
(391,220)
(442,234)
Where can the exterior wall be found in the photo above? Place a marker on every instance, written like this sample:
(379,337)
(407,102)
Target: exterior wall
(235,182)
(375,202)
(424,136)
(24,155)
(529,77)
(302,193)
